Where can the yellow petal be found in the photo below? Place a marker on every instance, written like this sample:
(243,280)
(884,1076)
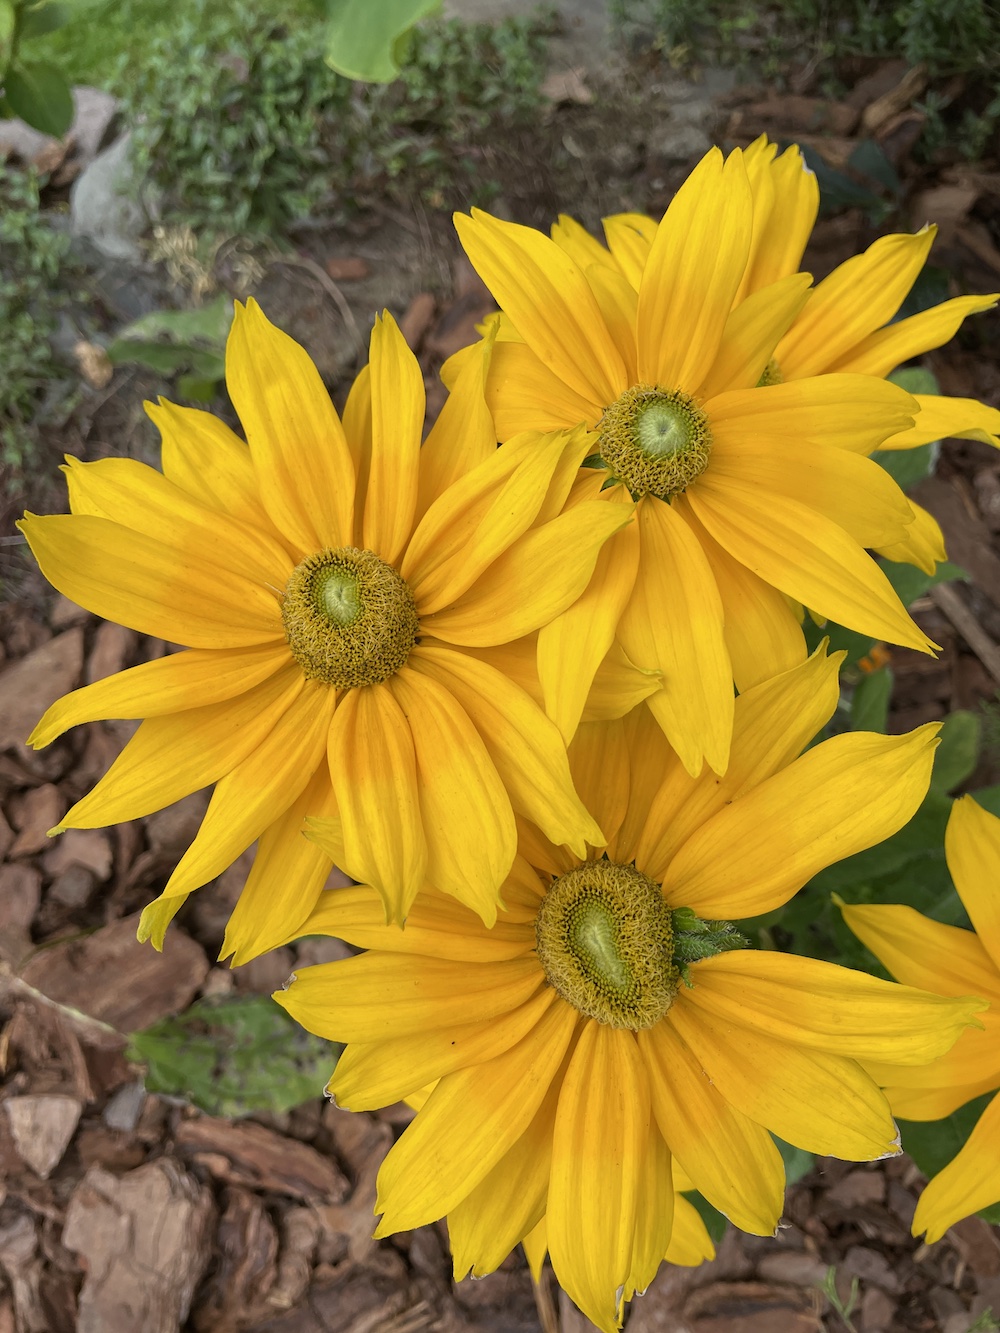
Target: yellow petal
(924,953)
(858,297)
(731,1160)
(463,436)
(650,756)
(357,424)
(851,412)
(297,443)
(377,997)
(970,1181)
(618,301)
(942,418)
(763,635)
(693,272)
(930,1092)
(155,918)
(844,795)
(618,687)
(807,556)
(599,762)
(374,773)
(398,402)
(536,1246)
(972,850)
(781,243)
(673,622)
(881,352)
(204,457)
(773,722)
(831,1008)
(923,544)
(370,1074)
(525,746)
(171,684)
(578,243)
(125,576)
(259,790)
(573,645)
(690,1243)
(654,1213)
(629,237)
(285,881)
(549,301)
(512,598)
(599,1143)
(524,394)
(170,757)
(470,1120)
(465,811)
(822,1103)
(751,334)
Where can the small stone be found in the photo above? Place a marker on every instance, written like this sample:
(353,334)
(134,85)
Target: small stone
(20,894)
(220,981)
(123,1110)
(41,809)
(113,644)
(266,973)
(871,1266)
(877,1310)
(6,836)
(102,206)
(42,1127)
(795,1267)
(35,681)
(73,888)
(65,613)
(90,848)
(347,268)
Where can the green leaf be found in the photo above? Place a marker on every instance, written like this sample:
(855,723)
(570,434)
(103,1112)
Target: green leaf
(715,1222)
(232,1057)
(198,388)
(911,583)
(798,1162)
(933,1143)
(915,379)
(45,16)
(157,356)
(206,324)
(957,755)
(907,467)
(39,94)
(8,25)
(870,703)
(365,40)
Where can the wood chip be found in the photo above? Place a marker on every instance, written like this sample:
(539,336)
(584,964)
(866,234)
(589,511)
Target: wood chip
(113,646)
(42,1128)
(32,683)
(87,847)
(40,809)
(249,1154)
(144,1239)
(19,1261)
(246,1268)
(897,99)
(347,268)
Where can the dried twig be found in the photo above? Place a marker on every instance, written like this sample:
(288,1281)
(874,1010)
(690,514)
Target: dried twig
(947,600)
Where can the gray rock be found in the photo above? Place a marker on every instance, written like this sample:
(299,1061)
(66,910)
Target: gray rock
(674,141)
(102,207)
(94,111)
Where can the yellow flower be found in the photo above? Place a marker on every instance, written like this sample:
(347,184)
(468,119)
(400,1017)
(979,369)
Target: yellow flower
(950,961)
(328,582)
(612,1021)
(747,496)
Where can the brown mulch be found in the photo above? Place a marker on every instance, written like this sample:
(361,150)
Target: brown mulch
(121,1210)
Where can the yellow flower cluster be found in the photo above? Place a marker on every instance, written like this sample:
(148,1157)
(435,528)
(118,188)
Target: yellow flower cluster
(538,684)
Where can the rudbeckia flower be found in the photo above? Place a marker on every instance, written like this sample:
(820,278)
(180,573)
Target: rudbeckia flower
(950,961)
(747,496)
(613,1021)
(328,580)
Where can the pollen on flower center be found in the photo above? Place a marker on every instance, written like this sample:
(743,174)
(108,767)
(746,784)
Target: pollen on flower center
(656,441)
(771,374)
(349,618)
(604,937)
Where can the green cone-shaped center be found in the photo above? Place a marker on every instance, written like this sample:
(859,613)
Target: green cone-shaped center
(349,618)
(656,441)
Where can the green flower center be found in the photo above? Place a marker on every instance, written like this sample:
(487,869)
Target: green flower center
(604,937)
(656,441)
(349,618)
(771,374)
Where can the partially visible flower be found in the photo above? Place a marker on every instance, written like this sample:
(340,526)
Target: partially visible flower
(746,496)
(613,1020)
(950,961)
(329,583)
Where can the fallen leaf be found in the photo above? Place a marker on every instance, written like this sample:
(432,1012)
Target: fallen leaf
(897,99)
(567,85)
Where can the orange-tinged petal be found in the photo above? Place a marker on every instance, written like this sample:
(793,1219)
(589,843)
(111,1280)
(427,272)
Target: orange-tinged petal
(599,1142)
(466,813)
(972,850)
(525,746)
(374,773)
(549,301)
(125,576)
(173,684)
(258,790)
(673,622)
(372,1074)
(204,457)
(398,404)
(512,598)
(941,418)
(138,497)
(524,394)
(822,1103)
(844,795)
(858,297)
(881,352)
(297,443)
(285,881)
(573,645)
(751,334)
(471,1119)
(170,757)
(808,557)
(693,272)
(730,1159)
(970,1181)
